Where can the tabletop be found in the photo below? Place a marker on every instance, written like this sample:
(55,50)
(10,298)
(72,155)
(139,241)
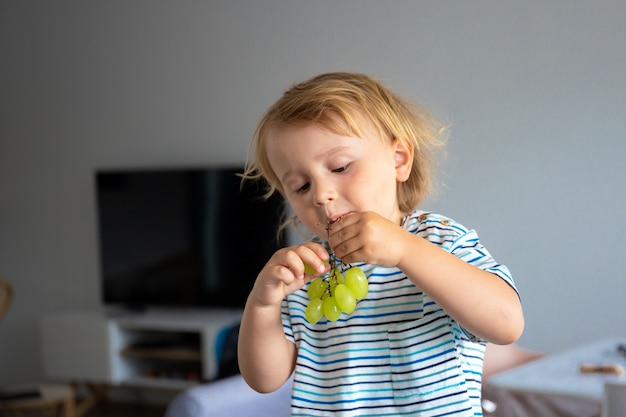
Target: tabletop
(559,374)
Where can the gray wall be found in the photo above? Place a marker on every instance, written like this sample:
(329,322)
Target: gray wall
(534,92)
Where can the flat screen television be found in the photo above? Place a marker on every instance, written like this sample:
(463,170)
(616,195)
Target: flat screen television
(190,238)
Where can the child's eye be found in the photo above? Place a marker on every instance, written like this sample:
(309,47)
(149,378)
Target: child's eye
(340,169)
(303,188)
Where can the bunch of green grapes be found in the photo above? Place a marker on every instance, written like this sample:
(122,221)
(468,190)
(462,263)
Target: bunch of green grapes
(335,294)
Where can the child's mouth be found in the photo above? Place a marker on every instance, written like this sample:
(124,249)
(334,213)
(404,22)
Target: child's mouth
(334,219)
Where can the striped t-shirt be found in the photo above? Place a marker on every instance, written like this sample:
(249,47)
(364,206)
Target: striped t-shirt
(398,353)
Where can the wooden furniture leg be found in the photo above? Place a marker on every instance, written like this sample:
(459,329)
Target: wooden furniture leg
(96,393)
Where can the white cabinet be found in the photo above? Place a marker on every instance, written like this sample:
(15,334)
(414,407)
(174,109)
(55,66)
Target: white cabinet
(153,349)
(76,346)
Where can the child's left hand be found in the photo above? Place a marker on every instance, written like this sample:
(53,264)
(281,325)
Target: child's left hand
(367,237)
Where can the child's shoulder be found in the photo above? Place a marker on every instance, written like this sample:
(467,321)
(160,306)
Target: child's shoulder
(432,219)
(434,226)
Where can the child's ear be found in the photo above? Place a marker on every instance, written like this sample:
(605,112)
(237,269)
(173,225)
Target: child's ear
(404,159)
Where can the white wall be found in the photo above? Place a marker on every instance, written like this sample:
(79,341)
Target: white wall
(535,92)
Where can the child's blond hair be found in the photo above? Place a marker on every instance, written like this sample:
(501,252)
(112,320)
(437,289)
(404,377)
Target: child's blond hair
(341,102)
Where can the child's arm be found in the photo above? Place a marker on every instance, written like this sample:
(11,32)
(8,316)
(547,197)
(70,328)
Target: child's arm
(478,300)
(266,356)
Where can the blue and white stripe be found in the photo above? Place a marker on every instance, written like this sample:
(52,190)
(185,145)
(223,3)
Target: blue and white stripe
(398,353)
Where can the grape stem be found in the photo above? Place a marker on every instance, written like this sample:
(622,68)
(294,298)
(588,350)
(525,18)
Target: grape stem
(332,279)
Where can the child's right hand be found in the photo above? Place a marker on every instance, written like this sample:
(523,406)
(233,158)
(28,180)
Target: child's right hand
(285,273)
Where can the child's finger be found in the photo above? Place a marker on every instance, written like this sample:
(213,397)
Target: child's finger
(314,258)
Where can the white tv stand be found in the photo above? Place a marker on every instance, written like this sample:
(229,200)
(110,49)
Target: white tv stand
(161,349)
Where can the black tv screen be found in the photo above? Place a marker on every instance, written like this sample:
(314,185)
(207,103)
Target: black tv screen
(183,237)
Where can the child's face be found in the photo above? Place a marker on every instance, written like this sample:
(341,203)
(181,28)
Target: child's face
(325,175)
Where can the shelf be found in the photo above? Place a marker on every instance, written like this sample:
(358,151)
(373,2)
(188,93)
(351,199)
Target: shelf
(182,354)
(164,383)
(172,351)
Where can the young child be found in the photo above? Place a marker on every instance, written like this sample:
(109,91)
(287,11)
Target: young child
(353,160)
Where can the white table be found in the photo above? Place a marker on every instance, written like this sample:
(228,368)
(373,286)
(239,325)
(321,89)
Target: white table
(554,386)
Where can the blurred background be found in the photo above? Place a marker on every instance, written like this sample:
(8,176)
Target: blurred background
(534,93)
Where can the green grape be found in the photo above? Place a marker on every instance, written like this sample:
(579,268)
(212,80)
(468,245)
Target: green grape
(308,269)
(345,298)
(314,311)
(341,279)
(317,288)
(336,277)
(335,294)
(357,282)
(331,286)
(331,309)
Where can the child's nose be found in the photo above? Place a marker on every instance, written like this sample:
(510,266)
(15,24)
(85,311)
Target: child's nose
(324,192)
